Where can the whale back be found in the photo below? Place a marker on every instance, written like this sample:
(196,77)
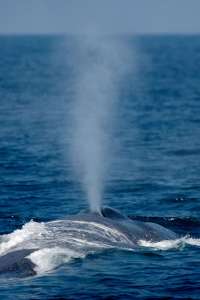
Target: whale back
(111,213)
(137,230)
(107,228)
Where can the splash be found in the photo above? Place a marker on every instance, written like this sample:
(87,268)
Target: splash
(48,259)
(29,231)
(101,63)
(170,244)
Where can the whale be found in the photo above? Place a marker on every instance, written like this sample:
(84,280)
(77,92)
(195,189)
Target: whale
(107,228)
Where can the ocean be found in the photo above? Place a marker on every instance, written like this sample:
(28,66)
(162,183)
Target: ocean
(153,174)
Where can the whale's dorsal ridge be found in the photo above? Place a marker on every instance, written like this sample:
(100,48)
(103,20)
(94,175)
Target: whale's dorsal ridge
(111,213)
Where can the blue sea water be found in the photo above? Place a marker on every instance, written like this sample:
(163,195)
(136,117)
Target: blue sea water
(155,175)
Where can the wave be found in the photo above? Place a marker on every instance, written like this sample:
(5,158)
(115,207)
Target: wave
(29,231)
(46,259)
(170,244)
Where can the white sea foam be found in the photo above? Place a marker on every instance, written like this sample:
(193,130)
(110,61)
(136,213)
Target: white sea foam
(29,230)
(48,259)
(170,244)
(162,245)
(192,241)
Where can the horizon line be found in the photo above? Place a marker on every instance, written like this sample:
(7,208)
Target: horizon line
(99,34)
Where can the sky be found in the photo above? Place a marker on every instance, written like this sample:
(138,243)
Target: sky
(99,16)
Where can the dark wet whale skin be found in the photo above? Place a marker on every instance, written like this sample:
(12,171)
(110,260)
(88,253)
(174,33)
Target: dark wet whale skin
(18,263)
(133,230)
(138,230)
